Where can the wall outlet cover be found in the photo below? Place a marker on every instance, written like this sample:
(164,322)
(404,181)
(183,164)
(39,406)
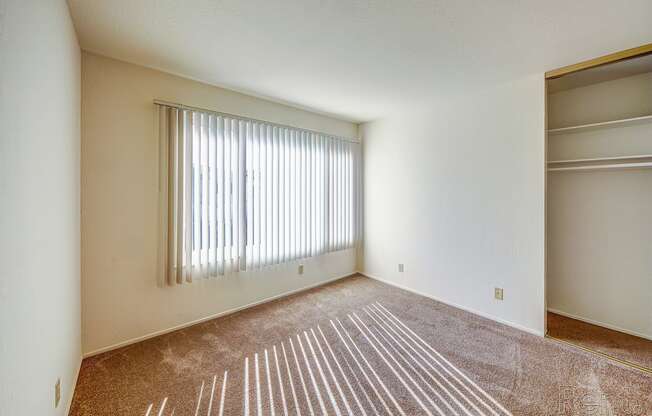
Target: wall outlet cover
(498,293)
(301,269)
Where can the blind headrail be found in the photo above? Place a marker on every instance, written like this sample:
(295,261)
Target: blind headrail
(244,118)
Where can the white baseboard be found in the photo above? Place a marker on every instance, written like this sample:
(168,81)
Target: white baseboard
(214,316)
(602,324)
(464,308)
(73,387)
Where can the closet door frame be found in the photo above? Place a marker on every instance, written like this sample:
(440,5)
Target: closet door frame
(602,60)
(556,73)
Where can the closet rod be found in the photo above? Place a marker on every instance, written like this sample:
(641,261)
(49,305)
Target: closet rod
(602,167)
(602,124)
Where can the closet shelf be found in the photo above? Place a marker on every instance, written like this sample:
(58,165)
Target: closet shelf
(603,167)
(604,124)
(600,159)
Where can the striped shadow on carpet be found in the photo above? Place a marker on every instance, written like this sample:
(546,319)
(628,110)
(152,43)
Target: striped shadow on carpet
(370,363)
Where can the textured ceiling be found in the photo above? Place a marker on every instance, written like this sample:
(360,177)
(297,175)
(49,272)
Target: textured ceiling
(358,60)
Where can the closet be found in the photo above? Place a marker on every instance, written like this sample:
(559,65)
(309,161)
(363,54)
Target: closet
(599,209)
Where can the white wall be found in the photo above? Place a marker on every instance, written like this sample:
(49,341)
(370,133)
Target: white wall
(599,228)
(456,193)
(121,299)
(39,206)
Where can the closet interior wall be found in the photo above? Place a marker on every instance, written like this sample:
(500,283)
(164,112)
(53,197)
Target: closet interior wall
(599,229)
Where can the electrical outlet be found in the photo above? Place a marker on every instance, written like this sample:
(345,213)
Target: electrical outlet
(301,269)
(401,268)
(498,293)
(57,393)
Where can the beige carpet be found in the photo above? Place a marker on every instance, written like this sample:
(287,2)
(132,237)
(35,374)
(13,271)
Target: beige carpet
(356,347)
(616,344)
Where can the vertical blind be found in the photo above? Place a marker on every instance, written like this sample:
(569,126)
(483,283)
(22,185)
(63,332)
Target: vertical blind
(242,194)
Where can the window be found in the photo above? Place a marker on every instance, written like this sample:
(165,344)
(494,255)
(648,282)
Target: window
(243,194)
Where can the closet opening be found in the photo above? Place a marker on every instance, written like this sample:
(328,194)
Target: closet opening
(599,208)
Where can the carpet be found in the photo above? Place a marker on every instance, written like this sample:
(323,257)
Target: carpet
(356,347)
(622,346)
